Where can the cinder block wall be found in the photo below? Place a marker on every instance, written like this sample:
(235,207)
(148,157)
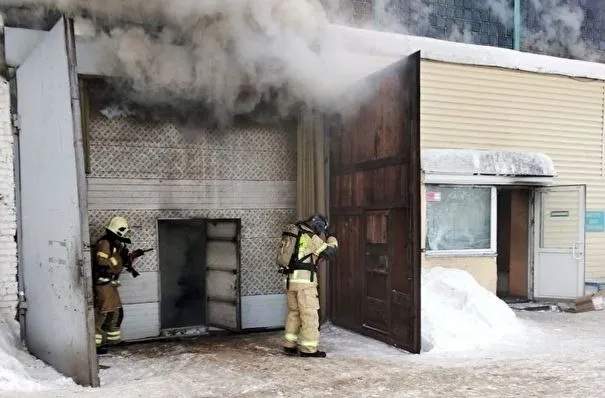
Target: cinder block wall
(8,219)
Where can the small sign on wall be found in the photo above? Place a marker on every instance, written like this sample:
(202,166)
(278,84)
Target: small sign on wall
(595,221)
(433,196)
(559,214)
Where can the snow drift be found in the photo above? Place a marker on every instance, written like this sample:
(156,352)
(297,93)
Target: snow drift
(458,314)
(19,371)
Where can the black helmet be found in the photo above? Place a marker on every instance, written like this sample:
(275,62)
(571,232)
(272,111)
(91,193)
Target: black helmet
(318,223)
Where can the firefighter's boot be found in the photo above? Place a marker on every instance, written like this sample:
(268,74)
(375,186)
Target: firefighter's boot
(316,354)
(290,351)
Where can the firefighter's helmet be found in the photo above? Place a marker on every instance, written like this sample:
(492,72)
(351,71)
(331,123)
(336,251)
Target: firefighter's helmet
(119,226)
(319,223)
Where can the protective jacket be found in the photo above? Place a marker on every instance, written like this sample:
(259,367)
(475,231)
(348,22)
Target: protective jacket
(302,321)
(310,249)
(108,265)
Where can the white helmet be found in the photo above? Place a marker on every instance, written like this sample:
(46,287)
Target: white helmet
(119,226)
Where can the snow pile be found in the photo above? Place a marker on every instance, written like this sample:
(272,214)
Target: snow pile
(458,314)
(19,371)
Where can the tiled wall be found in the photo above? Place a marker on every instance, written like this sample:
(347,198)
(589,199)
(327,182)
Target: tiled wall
(125,148)
(260,235)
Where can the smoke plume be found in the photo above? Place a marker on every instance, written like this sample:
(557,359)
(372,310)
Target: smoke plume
(231,56)
(554,27)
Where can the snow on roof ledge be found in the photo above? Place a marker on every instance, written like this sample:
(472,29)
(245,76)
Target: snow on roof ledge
(489,163)
(393,45)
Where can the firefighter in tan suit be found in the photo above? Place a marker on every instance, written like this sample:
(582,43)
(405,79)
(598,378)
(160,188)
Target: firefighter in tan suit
(302,321)
(111,257)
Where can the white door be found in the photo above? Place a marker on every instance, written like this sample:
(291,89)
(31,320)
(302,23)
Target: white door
(559,242)
(55,259)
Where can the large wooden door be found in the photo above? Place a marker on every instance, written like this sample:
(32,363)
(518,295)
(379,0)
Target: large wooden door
(375,209)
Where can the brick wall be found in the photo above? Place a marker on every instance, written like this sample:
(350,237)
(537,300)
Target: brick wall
(8,220)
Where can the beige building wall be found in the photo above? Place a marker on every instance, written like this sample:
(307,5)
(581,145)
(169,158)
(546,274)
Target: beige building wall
(475,107)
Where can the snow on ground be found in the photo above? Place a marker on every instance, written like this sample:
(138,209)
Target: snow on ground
(19,371)
(538,354)
(458,314)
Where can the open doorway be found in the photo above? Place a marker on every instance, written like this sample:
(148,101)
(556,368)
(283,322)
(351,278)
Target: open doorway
(199,262)
(182,251)
(513,242)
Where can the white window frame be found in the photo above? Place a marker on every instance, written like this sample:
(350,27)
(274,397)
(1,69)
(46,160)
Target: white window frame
(492,251)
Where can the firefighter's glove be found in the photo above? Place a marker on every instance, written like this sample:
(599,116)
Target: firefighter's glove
(137,253)
(329,253)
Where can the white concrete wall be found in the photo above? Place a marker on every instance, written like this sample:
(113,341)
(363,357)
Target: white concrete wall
(8,219)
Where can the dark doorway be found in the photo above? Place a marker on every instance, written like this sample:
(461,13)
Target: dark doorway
(375,208)
(182,251)
(513,242)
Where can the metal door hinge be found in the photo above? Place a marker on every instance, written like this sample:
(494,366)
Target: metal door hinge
(22,304)
(16,118)
(80,263)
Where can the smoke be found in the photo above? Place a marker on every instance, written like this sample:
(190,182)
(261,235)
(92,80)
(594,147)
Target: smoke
(416,16)
(561,32)
(230,56)
(461,35)
(553,27)
(224,58)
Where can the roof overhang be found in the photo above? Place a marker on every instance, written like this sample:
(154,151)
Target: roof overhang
(379,48)
(467,166)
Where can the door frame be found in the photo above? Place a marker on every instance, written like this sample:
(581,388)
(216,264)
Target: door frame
(177,331)
(535,231)
(197,330)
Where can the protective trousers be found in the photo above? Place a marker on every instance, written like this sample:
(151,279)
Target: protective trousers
(108,315)
(302,321)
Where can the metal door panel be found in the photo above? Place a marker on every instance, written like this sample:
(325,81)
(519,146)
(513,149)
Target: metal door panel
(223,274)
(559,262)
(375,208)
(55,257)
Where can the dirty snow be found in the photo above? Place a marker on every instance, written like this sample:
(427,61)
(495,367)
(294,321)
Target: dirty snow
(458,314)
(541,354)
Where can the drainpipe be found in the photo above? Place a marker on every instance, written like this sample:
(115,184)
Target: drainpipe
(517,25)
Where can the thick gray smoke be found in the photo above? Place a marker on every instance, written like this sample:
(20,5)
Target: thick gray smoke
(237,56)
(228,55)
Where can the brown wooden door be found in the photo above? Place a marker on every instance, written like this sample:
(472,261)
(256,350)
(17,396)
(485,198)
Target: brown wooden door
(375,209)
